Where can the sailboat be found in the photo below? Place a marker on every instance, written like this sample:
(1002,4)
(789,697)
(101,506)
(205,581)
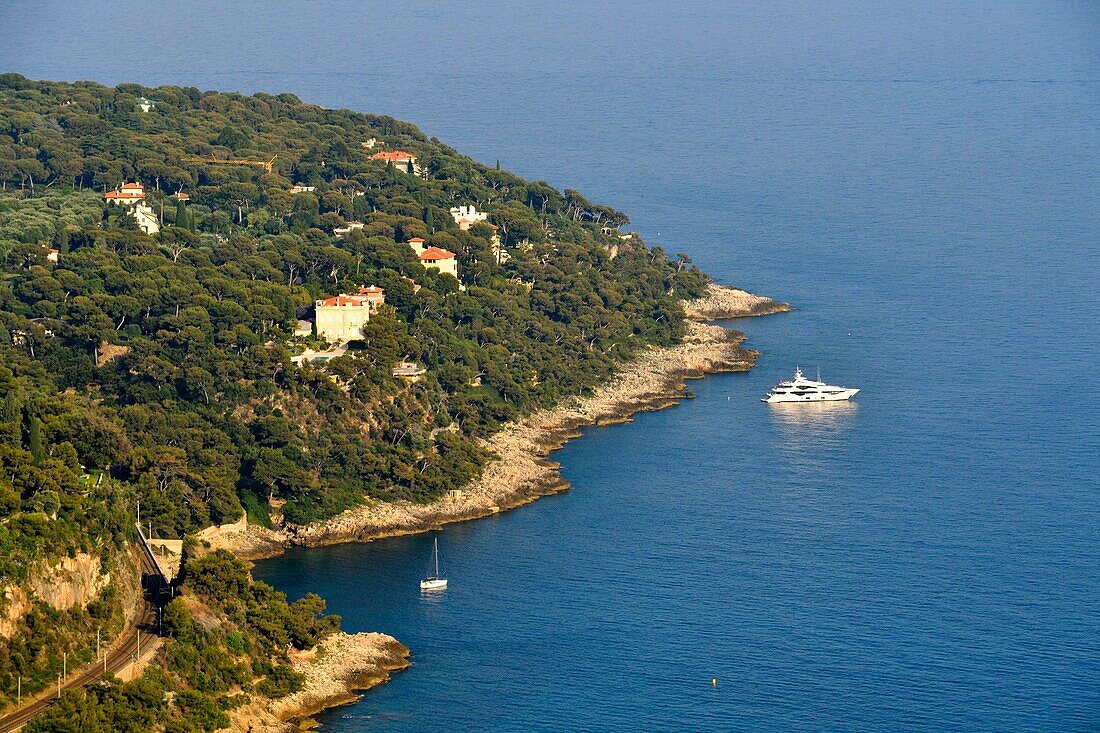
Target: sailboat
(434,582)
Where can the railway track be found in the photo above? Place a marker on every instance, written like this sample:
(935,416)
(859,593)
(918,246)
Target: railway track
(141,636)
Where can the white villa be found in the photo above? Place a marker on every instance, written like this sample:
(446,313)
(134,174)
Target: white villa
(341,231)
(132,196)
(467,216)
(342,317)
(145,104)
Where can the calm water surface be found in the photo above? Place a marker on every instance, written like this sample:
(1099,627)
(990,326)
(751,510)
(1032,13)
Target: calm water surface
(923,183)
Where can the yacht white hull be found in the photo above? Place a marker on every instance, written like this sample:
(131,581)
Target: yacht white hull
(837,396)
(433,584)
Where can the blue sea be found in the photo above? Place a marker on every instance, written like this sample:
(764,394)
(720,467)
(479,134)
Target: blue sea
(920,180)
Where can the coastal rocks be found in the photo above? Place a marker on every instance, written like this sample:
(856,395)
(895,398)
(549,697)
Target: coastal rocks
(726,302)
(335,671)
(522,472)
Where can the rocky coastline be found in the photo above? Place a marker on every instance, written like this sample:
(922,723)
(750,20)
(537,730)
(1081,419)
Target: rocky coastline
(522,472)
(335,672)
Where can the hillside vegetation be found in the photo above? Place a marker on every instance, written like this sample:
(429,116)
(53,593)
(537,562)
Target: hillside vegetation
(169,355)
(157,368)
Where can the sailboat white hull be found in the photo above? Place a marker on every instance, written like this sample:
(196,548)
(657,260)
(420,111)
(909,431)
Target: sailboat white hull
(832,396)
(433,584)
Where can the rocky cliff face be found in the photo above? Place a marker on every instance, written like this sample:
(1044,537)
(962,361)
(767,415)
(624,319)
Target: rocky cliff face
(70,582)
(14,602)
(75,581)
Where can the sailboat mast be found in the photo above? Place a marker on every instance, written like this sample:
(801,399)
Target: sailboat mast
(437,557)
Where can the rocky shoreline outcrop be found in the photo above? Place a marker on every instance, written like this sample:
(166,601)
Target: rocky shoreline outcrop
(522,471)
(335,672)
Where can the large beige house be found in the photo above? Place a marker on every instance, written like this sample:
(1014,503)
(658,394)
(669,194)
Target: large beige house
(436,258)
(440,259)
(342,317)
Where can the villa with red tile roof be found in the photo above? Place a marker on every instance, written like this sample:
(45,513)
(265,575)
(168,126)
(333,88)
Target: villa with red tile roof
(402,161)
(126,193)
(440,259)
(132,196)
(342,317)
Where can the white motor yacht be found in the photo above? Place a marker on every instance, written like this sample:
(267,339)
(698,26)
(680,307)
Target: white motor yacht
(801,389)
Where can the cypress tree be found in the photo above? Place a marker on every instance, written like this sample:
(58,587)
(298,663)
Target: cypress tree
(11,407)
(33,435)
(181,215)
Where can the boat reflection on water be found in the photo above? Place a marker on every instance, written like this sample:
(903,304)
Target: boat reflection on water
(810,432)
(826,415)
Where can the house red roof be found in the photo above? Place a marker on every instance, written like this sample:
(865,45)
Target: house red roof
(435,253)
(416,239)
(123,196)
(366,296)
(343,301)
(182,196)
(394,155)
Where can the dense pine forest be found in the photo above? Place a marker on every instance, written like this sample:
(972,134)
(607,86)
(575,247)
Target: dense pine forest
(164,360)
(157,367)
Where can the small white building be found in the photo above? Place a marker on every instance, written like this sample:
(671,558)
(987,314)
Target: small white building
(146,218)
(302,189)
(341,231)
(368,144)
(467,216)
(146,104)
(497,246)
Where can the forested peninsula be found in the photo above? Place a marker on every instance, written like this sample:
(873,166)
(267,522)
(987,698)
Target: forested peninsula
(253,311)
